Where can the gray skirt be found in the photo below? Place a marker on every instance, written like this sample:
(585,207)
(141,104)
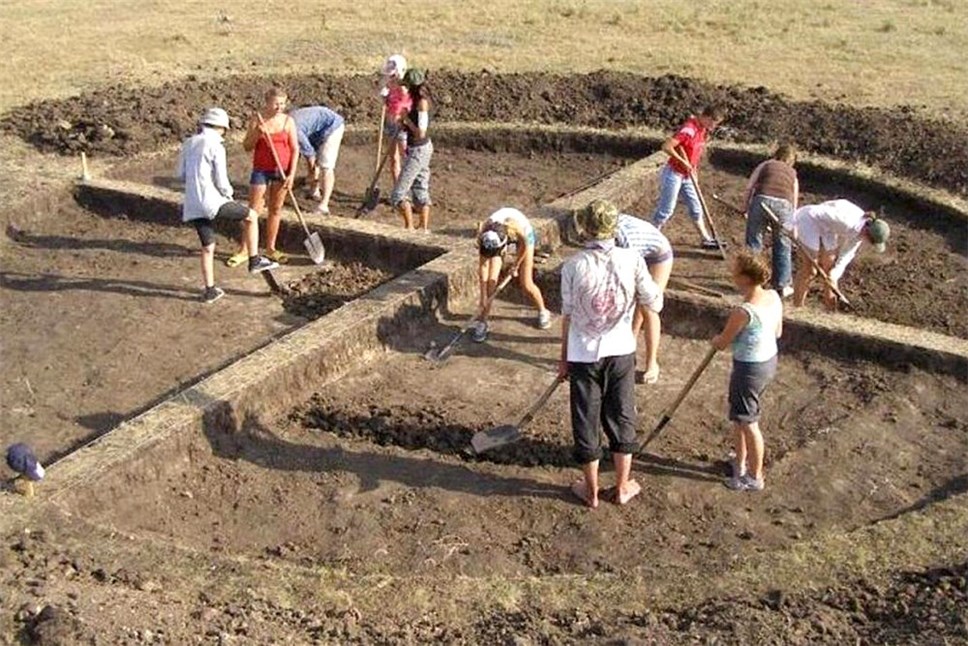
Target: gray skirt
(747,383)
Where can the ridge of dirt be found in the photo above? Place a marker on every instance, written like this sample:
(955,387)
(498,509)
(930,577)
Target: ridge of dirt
(123,120)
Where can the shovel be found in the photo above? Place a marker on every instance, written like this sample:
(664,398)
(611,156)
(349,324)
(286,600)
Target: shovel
(273,284)
(445,351)
(313,243)
(508,433)
(372,196)
(667,416)
(705,209)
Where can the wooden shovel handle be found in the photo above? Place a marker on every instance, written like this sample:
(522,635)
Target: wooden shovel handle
(705,207)
(545,396)
(813,261)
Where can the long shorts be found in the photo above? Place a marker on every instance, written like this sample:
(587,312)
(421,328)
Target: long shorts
(205,227)
(603,398)
(658,258)
(747,383)
(328,151)
(263,177)
(413,184)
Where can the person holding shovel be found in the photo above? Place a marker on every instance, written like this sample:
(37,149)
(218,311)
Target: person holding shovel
(270,127)
(832,233)
(208,195)
(397,102)
(752,330)
(601,286)
(641,236)
(493,237)
(685,150)
(774,183)
(319,132)
(412,188)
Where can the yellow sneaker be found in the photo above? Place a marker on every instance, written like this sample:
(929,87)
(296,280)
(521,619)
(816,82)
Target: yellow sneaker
(276,256)
(237,259)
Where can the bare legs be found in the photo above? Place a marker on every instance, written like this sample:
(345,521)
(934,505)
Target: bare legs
(488,272)
(526,278)
(806,273)
(652,323)
(208,264)
(625,487)
(250,241)
(749,448)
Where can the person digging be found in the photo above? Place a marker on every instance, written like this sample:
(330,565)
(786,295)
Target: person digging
(685,150)
(601,286)
(319,132)
(208,195)
(832,233)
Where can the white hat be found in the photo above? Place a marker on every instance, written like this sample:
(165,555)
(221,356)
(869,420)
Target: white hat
(216,117)
(395,66)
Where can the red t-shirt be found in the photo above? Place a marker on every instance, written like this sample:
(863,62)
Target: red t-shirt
(692,138)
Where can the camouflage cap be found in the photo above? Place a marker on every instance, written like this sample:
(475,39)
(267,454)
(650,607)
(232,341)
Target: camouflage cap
(598,220)
(414,77)
(878,232)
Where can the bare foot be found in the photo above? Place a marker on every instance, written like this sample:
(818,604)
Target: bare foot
(580,489)
(651,376)
(631,490)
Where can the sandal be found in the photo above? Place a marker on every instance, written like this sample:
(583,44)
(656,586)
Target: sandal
(276,256)
(237,259)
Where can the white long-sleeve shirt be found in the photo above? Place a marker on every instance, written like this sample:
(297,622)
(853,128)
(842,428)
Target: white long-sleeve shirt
(202,166)
(600,287)
(839,218)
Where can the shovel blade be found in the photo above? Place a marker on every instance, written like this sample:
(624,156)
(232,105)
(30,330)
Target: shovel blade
(370,200)
(495,437)
(314,246)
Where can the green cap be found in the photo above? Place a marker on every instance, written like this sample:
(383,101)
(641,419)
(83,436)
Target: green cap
(878,232)
(598,220)
(414,76)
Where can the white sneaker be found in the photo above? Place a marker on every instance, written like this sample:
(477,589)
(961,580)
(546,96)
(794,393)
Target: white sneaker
(544,319)
(786,292)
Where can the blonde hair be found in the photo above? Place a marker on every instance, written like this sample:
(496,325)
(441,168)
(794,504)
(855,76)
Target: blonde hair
(752,266)
(786,152)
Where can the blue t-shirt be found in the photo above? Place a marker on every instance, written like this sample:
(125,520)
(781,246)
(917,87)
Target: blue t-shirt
(313,125)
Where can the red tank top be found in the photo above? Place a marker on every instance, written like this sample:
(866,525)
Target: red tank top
(262,157)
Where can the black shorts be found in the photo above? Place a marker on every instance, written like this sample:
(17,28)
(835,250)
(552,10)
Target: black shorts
(603,398)
(747,383)
(205,227)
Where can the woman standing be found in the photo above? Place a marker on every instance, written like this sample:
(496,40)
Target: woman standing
(266,183)
(752,329)
(774,185)
(412,188)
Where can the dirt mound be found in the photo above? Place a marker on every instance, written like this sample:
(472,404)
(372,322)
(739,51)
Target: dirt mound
(320,292)
(121,120)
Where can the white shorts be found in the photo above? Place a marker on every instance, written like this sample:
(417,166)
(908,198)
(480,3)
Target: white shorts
(329,152)
(812,235)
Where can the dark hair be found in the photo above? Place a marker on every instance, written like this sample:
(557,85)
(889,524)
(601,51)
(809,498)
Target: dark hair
(274,91)
(715,111)
(421,91)
(786,152)
(753,266)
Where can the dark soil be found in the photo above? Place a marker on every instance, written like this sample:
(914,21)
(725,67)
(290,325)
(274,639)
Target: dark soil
(121,120)
(320,292)
(921,281)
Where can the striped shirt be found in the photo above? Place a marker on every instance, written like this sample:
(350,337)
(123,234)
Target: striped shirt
(644,237)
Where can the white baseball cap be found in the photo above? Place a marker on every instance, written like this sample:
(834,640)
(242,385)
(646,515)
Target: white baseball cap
(216,117)
(395,65)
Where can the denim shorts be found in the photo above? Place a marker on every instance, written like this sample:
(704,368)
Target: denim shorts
(263,177)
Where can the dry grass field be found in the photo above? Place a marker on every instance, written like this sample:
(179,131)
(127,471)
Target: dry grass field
(864,52)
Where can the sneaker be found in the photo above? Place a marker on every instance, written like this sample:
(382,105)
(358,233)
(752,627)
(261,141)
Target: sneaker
(321,210)
(237,259)
(261,263)
(544,320)
(316,195)
(712,244)
(212,294)
(736,484)
(786,291)
(752,484)
(276,256)
(479,333)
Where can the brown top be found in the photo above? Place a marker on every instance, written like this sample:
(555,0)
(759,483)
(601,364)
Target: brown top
(776,179)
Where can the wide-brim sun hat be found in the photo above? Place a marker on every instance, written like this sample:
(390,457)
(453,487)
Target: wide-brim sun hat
(216,117)
(878,231)
(598,220)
